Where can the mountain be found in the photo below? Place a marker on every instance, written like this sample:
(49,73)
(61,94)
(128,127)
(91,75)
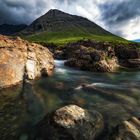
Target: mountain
(7,29)
(59,27)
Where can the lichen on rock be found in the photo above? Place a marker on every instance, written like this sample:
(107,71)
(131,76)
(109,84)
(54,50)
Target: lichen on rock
(70,122)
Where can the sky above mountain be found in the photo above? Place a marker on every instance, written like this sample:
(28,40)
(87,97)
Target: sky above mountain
(121,17)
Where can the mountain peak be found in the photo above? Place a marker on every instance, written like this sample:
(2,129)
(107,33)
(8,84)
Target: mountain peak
(56,21)
(55,12)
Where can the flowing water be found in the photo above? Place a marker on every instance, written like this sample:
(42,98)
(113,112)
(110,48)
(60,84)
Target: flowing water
(115,95)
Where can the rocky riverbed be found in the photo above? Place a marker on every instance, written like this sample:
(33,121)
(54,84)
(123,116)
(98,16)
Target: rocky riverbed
(115,96)
(98,56)
(72,104)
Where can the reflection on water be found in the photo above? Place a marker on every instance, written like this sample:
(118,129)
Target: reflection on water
(115,95)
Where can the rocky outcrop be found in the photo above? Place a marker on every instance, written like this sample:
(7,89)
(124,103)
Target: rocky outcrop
(20,59)
(59,55)
(130,63)
(126,52)
(99,56)
(87,58)
(70,123)
(128,56)
(127,130)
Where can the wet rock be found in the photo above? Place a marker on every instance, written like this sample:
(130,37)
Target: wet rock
(59,55)
(20,59)
(124,52)
(130,63)
(92,56)
(97,55)
(127,130)
(70,123)
(108,65)
(100,56)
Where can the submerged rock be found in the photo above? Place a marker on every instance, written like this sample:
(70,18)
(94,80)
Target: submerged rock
(127,130)
(20,59)
(70,123)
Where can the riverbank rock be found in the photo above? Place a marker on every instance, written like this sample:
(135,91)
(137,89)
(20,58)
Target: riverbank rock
(130,63)
(128,57)
(59,55)
(20,59)
(127,130)
(70,123)
(98,56)
(86,58)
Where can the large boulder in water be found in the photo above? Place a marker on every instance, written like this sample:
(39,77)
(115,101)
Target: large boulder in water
(20,59)
(70,123)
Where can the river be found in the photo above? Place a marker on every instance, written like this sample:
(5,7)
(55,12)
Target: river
(115,95)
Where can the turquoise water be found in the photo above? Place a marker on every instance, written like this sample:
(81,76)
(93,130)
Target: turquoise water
(115,95)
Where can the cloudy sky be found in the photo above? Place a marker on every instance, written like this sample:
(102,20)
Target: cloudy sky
(121,17)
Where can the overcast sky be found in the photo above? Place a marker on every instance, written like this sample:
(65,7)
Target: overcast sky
(121,17)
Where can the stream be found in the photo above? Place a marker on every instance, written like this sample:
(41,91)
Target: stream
(115,95)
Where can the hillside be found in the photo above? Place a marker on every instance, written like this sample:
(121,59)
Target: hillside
(7,29)
(59,27)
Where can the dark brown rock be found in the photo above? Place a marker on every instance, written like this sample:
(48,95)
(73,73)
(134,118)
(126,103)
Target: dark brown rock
(130,63)
(99,56)
(92,60)
(123,52)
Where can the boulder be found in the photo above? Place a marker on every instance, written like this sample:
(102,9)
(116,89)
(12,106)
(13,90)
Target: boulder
(127,130)
(70,123)
(130,63)
(59,55)
(20,59)
(106,65)
(123,52)
(91,56)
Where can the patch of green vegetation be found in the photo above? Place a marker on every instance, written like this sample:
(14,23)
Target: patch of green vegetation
(107,58)
(63,37)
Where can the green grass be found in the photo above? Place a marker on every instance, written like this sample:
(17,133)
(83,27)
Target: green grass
(66,36)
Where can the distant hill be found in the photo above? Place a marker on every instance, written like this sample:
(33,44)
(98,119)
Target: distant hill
(137,40)
(7,29)
(59,27)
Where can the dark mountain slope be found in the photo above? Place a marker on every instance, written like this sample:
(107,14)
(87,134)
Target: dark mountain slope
(6,29)
(56,20)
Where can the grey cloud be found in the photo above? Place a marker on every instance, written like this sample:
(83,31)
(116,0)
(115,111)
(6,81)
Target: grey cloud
(116,12)
(22,11)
